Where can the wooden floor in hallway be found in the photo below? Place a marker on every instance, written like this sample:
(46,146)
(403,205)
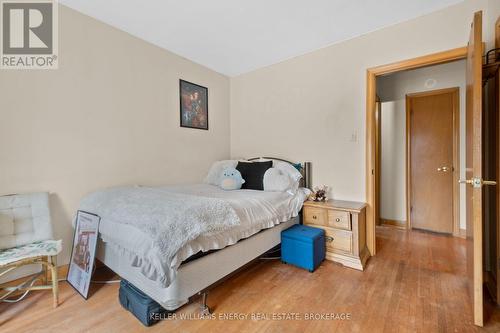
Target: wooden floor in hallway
(416,283)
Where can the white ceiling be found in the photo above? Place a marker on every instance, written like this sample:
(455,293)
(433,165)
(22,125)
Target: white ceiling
(235,36)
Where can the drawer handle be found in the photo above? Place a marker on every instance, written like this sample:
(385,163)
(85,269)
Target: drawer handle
(337,219)
(329,239)
(314,217)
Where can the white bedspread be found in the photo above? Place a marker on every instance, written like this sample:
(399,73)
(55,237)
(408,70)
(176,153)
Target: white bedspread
(169,219)
(256,210)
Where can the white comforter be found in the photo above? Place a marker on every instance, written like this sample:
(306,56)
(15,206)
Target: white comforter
(255,210)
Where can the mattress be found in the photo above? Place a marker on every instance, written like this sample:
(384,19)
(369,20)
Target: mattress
(197,275)
(257,210)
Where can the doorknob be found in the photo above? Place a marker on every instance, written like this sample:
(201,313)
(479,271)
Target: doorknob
(444,169)
(477,182)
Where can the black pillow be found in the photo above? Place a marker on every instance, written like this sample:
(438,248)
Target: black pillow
(253,174)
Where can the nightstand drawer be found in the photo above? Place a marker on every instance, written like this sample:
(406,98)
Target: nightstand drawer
(316,216)
(338,240)
(339,219)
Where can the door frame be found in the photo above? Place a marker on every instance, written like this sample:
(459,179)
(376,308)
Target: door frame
(372,198)
(378,155)
(455,149)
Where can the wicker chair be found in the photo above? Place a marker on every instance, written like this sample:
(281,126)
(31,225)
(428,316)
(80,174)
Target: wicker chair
(26,239)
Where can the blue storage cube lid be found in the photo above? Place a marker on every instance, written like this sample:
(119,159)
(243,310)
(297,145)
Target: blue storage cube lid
(303,233)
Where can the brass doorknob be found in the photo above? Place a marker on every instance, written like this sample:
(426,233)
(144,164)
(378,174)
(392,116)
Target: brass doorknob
(444,169)
(477,182)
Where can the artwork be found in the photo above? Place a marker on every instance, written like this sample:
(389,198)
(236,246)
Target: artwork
(83,253)
(194,105)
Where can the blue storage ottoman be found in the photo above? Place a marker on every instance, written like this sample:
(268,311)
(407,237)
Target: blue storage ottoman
(303,246)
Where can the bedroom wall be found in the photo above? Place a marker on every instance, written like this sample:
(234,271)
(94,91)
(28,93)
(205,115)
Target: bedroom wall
(392,90)
(393,161)
(108,116)
(313,107)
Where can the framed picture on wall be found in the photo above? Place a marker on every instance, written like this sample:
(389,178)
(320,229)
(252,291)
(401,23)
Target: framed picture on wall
(81,264)
(193,105)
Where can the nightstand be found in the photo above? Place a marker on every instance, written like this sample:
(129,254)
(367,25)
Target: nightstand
(344,223)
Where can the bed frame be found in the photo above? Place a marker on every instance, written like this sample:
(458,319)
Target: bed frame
(196,277)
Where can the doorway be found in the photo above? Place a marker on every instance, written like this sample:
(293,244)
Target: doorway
(437,96)
(372,199)
(473,180)
(432,168)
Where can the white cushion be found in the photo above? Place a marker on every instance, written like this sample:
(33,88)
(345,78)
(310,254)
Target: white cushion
(276,180)
(32,250)
(215,172)
(288,169)
(24,219)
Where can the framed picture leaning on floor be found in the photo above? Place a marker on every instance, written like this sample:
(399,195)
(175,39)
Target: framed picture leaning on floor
(83,251)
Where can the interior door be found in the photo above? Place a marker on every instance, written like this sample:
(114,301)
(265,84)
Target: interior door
(431,150)
(473,170)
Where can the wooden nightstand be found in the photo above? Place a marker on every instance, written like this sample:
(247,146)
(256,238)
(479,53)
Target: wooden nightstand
(345,228)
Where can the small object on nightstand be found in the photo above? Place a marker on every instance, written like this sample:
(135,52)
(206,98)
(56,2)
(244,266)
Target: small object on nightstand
(345,230)
(303,246)
(319,194)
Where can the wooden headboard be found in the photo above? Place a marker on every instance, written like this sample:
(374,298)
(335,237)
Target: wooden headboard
(305,169)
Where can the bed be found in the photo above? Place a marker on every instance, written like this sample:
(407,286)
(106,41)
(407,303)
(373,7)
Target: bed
(211,256)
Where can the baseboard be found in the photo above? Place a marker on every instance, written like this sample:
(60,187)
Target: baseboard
(462,233)
(393,223)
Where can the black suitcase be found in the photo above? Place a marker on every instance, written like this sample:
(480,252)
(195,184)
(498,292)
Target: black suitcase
(141,305)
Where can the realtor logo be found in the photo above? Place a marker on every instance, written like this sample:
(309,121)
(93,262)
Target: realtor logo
(29,34)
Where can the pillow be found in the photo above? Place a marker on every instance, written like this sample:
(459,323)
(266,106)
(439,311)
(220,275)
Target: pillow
(287,168)
(231,179)
(253,174)
(216,170)
(276,180)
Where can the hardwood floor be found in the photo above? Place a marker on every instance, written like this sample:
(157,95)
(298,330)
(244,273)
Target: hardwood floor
(416,283)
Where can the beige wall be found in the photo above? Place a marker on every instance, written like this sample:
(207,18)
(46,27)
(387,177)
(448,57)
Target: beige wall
(392,90)
(393,161)
(313,107)
(108,116)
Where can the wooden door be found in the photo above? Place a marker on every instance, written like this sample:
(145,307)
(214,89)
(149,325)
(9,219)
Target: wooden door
(474,181)
(431,152)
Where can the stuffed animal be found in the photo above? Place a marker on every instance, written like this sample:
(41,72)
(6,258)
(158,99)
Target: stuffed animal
(231,179)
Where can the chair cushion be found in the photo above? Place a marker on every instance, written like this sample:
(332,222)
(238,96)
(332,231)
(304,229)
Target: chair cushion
(24,219)
(42,248)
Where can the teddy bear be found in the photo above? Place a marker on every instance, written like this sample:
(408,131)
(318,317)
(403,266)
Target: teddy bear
(231,179)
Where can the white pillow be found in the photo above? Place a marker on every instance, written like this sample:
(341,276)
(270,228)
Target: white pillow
(286,167)
(215,172)
(275,180)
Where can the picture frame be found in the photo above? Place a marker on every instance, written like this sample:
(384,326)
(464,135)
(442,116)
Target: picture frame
(193,105)
(83,250)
